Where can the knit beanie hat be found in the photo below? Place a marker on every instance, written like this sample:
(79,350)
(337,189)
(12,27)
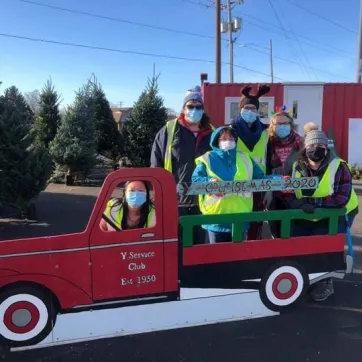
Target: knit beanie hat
(194,94)
(315,138)
(248,98)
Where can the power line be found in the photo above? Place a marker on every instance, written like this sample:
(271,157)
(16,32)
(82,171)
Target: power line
(288,39)
(335,49)
(115,19)
(200,3)
(30,2)
(291,61)
(126,51)
(299,45)
(321,17)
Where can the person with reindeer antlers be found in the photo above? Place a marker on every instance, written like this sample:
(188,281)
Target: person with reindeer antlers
(253,140)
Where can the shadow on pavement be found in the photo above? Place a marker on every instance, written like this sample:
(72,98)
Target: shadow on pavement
(303,334)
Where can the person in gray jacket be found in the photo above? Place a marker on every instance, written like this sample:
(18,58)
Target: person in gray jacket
(179,143)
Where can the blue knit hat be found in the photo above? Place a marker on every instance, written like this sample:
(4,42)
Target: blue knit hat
(194,94)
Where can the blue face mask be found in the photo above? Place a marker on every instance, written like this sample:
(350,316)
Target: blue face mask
(282,130)
(135,198)
(248,116)
(195,115)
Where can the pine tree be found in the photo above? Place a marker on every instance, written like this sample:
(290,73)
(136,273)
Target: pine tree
(148,116)
(108,138)
(25,168)
(73,148)
(47,119)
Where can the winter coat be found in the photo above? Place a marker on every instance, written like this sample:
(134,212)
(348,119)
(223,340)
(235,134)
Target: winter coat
(251,136)
(224,165)
(285,152)
(186,147)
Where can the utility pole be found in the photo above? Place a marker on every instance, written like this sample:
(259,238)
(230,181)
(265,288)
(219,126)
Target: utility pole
(218,41)
(271,62)
(232,26)
(359,64)
(231,45)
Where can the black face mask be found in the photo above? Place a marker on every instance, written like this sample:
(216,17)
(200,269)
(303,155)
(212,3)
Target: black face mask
(316,154)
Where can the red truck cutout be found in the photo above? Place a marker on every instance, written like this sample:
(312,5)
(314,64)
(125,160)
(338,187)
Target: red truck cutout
(46,276)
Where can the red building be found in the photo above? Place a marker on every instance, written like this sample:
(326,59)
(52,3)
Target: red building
(333,106)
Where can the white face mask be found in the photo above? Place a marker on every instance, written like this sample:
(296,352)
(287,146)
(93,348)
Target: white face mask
(227,145)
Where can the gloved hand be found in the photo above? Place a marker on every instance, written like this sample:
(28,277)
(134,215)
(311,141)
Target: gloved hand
(221,194)
(302,204)
(267,200)
(308,208)
(286,191)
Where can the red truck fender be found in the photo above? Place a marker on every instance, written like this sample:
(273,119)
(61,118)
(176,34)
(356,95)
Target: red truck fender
(75,296)
(7,273)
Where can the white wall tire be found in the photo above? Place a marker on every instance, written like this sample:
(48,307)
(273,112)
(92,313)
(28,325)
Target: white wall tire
(27,315)
(283,286)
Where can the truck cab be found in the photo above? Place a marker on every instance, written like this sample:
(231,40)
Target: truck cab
(41,277)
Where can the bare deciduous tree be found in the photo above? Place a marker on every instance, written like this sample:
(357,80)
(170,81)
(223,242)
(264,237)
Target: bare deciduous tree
(32,98)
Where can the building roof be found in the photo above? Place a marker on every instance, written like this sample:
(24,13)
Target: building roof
(121,114)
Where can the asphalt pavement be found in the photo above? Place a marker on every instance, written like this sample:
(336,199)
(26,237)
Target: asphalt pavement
(324,332)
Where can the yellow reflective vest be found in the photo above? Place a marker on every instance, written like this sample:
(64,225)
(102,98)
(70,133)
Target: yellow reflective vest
(211,204)
(326,185)
(259,152)
(170,130)
(114,211)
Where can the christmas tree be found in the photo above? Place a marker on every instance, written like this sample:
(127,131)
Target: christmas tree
(107,136)
(25,168)
(74,148)
(47,118)
(148,116)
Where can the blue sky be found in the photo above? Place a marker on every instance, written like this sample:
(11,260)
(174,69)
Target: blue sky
(331,49)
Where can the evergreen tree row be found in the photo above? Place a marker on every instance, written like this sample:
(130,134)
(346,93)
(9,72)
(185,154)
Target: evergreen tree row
(36,144)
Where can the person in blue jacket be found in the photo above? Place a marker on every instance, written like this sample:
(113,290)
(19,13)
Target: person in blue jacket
(224,163)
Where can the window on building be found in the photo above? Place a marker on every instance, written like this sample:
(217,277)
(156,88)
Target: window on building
(295,109)
(264,110)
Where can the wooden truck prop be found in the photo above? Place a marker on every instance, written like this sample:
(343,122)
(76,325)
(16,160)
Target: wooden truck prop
(46,276)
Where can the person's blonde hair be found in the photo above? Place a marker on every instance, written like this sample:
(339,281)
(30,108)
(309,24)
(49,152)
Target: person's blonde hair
(310,126)
(273,124)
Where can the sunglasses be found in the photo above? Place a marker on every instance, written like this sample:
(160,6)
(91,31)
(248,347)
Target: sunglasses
(190,107)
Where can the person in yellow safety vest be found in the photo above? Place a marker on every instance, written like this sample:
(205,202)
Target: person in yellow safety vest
(179,143)
(311,126)
(224,163)
(134,211)
(334,191)
(253,140)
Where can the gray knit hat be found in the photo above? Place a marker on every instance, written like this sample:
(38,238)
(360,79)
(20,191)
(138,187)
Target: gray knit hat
(194,94)
(315,138)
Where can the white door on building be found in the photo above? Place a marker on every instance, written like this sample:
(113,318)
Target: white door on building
(232,108)
(354,141)
(306,101)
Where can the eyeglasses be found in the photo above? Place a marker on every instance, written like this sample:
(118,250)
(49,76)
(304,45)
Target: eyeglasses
(250,107)
(190,107)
